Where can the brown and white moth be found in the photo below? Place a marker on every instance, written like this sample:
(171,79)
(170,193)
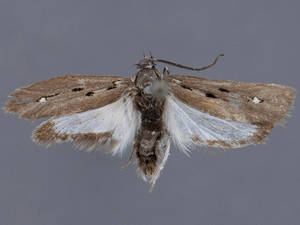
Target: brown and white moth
(150,110)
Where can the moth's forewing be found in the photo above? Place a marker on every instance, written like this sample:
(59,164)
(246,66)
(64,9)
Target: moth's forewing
(87,110)
(245,106)
(66,94)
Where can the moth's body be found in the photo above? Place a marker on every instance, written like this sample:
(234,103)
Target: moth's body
(150,110)
(149,135)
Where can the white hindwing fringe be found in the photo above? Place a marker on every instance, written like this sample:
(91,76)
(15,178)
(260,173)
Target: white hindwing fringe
(185,123)
(120,118)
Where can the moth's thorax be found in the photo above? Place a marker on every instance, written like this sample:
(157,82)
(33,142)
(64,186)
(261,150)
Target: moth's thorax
(146,77)
(150,83)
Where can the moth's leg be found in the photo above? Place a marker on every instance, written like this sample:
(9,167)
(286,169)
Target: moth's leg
(133,77)
(133,152)
(130,159)
(159,151)
(158,74)
(162,148)
(166,72)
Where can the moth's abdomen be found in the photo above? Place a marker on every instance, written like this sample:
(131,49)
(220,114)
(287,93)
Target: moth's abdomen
(147,162)
(147,143)
(148,137)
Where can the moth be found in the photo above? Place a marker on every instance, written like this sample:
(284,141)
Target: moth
(151,110)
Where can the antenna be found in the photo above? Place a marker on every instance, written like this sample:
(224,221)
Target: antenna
(188,67)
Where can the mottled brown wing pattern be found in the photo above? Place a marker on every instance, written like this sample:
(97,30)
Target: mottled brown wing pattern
(84,109)
(262,105)
(66,94)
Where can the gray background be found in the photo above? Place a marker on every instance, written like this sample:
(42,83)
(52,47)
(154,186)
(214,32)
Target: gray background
(257,185)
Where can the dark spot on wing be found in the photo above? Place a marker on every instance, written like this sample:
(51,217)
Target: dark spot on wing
(112,87)
(46,97)
(49,96)
(223,90)
(77,89)
(90,93)
(210,95)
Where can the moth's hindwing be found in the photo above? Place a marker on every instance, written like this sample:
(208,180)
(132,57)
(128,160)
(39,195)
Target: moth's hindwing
(113,125)
(224,114)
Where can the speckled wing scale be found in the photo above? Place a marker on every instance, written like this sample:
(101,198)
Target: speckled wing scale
(150,110)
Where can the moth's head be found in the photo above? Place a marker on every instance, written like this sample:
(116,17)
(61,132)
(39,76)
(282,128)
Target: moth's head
(146,63)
